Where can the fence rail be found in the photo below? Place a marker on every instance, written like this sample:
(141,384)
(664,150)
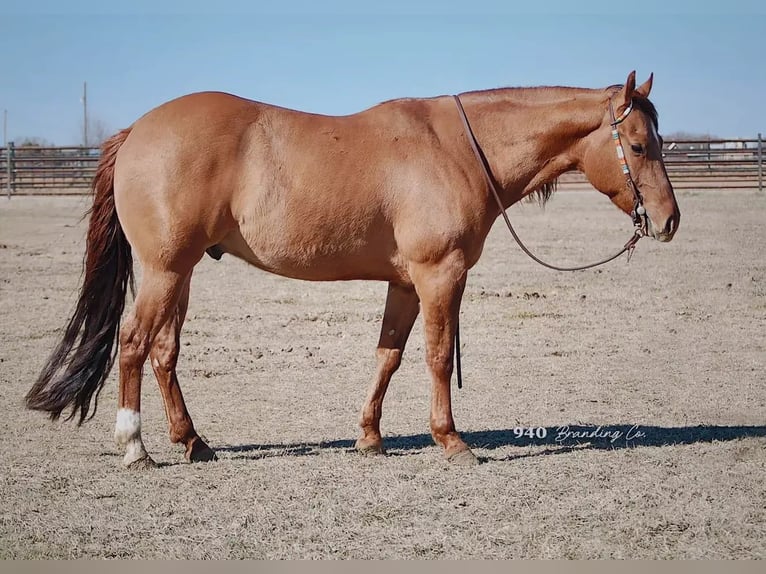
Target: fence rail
(31,169)
(733,163)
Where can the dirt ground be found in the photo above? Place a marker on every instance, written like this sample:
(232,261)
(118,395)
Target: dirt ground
(648,380)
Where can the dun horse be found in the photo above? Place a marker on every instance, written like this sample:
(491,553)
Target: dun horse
(394,193)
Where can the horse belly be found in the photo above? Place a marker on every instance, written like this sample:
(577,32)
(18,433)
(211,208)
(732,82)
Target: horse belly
(315,257)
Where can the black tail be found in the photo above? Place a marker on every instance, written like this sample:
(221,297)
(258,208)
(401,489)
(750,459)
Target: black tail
(78,368)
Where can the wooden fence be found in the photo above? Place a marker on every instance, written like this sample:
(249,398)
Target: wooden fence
(690,164)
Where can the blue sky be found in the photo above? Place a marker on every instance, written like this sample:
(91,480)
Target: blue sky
(338,57)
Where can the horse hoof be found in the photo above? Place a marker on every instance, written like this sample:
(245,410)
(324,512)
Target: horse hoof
(463,458)
(200,452)
(143,463)
(369,448)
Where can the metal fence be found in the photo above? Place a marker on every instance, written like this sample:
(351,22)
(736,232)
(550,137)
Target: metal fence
(736,163)
(54,170)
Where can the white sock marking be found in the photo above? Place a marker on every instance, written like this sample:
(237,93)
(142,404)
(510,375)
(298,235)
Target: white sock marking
(127,434)
(128,426)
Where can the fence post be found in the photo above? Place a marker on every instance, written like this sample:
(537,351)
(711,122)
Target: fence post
(9,152)
(760,162)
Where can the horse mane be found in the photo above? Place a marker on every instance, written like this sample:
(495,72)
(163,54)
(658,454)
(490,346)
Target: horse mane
(542,194)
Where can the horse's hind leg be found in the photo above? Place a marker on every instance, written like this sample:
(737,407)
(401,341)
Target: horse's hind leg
(401,310)
(164,358)
(156,301)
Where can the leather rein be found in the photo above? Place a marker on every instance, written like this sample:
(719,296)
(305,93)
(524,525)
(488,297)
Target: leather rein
(638,215)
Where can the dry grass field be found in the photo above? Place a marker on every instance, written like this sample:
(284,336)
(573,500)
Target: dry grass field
(662,360)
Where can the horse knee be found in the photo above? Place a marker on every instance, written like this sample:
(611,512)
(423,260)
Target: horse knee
(440,364)
(389,360)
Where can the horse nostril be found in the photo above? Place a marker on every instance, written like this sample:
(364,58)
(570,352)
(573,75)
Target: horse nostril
(671,225)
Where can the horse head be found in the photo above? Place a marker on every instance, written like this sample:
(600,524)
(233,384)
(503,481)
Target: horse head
(623,160)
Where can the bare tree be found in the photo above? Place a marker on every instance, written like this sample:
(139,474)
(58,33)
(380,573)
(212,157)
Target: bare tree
(33,141)
(98,132)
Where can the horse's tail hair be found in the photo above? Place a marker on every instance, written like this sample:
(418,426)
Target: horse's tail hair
(80,364)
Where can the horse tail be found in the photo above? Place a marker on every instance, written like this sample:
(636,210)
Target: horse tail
(80,364)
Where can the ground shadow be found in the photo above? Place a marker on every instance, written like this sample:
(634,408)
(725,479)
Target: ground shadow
(560,440)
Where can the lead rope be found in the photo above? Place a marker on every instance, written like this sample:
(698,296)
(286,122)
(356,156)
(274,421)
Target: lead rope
(629,246)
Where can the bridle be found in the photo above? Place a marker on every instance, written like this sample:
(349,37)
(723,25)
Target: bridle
(638,215)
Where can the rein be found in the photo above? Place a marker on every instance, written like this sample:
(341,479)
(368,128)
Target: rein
(638,214)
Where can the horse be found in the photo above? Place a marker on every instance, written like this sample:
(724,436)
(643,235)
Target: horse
(393,193)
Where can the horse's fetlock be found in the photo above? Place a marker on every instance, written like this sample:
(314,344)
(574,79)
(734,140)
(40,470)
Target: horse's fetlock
(127,428)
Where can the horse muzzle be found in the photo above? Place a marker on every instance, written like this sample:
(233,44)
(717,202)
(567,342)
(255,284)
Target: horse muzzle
(668,229)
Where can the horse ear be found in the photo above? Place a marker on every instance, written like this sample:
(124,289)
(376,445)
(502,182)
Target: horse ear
(644,89)
(624,98)
(630,87)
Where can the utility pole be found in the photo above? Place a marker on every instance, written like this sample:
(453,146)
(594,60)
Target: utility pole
(5,128)
(85,114)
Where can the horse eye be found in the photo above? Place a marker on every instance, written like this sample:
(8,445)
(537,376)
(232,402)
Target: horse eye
(638,148)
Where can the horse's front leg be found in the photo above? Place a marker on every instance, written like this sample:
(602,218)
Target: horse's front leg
(440,288)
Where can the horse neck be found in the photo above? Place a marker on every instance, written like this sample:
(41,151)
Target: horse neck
(530,136)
